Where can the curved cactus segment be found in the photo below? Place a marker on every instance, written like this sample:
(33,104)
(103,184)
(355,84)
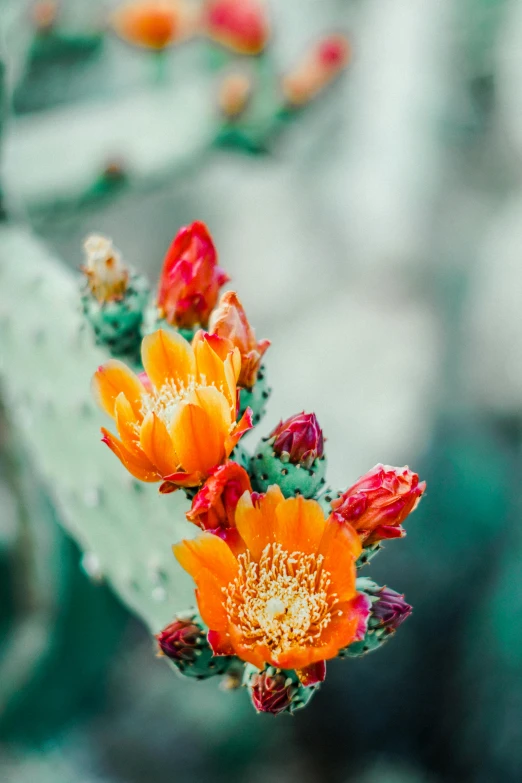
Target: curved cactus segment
(46,365)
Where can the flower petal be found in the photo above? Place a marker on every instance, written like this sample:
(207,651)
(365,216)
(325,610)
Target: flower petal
(220,643)
(212,566)
(111,379)
(256,525)
(312,674)
(139,467)
(300,525)
(207,554)
(340,547)
(302,657)
(348,624)
(215,404)
(181,479)
(339,633)
(157,444)
(197,438)
(258,656)
(243,425)
(215,364)
(210,603)
(167,356)
(127,424)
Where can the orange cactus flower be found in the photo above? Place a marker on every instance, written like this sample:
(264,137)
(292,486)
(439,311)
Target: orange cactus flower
(152,24)
(288,598)
(230,322)
(181,422)
(241,25)
(190,279)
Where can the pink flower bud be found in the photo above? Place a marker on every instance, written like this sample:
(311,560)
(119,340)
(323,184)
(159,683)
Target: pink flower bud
(190,279)
(378,503)
(241,25)
(271,691)
(389,611)
(181,640)
(214,506)
(234,94)
(299,439)
(229,321)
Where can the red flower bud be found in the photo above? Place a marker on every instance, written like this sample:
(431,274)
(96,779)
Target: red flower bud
(389,611)
(241,25)
(271,691)
(190,279)
(214,506)
(181,640)
(378,503)
(300,438)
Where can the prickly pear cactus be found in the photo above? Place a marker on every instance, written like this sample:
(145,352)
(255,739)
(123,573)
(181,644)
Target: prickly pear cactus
(125,528)
(269,563)
(117,324)
(256,398)
(268,468)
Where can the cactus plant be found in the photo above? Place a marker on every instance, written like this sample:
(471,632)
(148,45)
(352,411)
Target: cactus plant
(284,601)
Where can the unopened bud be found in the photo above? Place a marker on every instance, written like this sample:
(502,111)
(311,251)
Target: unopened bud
(299,439)
(184,642)
(234,94)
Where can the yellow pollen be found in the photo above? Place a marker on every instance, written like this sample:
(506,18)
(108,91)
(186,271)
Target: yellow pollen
(282,601)
(275,607)
(165,401)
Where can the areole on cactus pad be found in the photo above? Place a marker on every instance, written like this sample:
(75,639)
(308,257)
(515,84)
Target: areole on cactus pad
(275,564)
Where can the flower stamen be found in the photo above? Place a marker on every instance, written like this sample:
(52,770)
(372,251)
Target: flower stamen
(280,602)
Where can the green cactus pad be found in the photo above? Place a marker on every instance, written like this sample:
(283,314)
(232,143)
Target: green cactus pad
(256,398)
(267,468)
(117,324)
(368,553)
(47,363)
(325,498)
(372,641)
(241,456)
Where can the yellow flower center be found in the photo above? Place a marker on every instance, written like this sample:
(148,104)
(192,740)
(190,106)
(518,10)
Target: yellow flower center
(282,602)
(164,402)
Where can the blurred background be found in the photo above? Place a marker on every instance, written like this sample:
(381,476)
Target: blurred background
(374,237)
